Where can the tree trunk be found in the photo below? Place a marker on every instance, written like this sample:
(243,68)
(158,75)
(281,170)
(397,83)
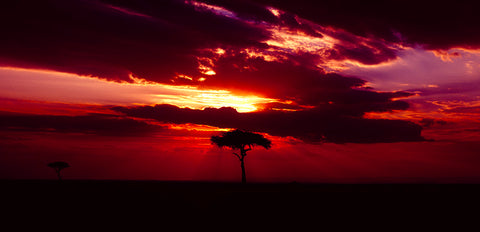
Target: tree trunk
(243,153)
(244,177)
(58,175)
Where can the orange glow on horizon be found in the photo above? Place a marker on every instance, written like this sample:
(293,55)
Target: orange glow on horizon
(194,127)
(52,86)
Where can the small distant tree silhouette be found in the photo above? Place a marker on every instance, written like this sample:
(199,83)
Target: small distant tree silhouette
(243,141)
(58,166)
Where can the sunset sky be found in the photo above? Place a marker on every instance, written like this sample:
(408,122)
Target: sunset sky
(347,91)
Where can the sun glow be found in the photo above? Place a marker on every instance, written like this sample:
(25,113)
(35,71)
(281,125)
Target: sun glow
(193,127)
(215,98)
(51,86)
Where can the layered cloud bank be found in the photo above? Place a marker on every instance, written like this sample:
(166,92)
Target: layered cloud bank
(310,125)
(305,68)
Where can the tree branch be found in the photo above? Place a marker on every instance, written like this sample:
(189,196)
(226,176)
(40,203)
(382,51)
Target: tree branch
(237,155)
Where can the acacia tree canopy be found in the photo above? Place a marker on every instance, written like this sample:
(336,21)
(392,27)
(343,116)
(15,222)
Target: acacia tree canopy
(59,165)
(239,139)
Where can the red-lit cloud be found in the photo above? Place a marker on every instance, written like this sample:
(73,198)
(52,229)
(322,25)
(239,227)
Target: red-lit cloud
(409,22)
(276,51)
(284,59)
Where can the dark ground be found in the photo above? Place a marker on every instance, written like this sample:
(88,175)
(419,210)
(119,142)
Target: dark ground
(191,204)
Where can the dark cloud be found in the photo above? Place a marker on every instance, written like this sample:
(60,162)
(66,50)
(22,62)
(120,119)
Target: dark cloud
(464,109)
(99,124)
(257,12)
(155,40)
(460,88)
(280,106)
(367,51)
(158,40)
(435,24)
(276,79)
(247,9)
(363,54)
(429,122)
(92,38)
(309,125)
(300,83)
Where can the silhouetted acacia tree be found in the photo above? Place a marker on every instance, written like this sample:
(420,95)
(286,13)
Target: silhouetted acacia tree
(58,166)
(243,141)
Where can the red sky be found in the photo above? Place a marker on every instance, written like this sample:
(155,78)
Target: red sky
(135,89)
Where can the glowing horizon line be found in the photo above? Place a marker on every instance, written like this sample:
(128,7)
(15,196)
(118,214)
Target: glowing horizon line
(150,92)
